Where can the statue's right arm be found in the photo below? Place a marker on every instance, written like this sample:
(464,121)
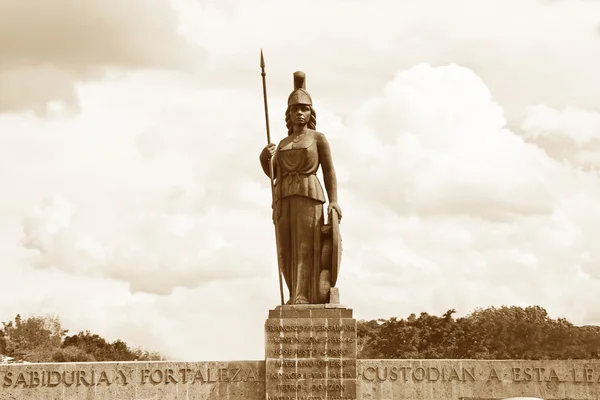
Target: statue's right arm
(265,156)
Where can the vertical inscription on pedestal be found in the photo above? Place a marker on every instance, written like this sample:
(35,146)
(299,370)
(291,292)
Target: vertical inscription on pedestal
(310,354)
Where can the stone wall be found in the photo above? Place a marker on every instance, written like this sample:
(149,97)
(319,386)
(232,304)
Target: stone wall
(376,380)
(477,379)
(133,380)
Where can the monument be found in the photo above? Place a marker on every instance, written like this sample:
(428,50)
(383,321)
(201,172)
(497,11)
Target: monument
(310,339)
(308,251)
(310,349)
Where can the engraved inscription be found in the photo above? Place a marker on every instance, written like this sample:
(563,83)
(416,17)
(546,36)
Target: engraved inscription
(154,376)
(417,374)
(309,340)
(311,359)
(34,379)
(310,352)
(315,328)
(312,375)
(311,398)
(491,374)
(308,387)
(313,363)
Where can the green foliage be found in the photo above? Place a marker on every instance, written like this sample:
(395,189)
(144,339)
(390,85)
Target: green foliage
(101,350)
(22,338)
(42,339)
(72,354)
(491,333)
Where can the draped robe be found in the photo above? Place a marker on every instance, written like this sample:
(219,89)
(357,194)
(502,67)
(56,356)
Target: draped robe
(298,214)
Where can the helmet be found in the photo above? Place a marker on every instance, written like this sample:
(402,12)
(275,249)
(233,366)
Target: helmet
(299,95)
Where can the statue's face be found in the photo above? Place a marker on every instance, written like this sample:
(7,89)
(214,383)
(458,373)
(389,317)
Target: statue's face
(300,114)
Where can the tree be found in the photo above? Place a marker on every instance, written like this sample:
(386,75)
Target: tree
(93,345)
(101,350)
(42,339)
(22,337)
(491,333)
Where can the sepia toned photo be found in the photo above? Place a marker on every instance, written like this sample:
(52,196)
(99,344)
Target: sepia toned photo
(318,200)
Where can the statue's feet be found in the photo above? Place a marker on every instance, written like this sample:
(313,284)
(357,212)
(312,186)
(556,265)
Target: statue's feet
(301,300)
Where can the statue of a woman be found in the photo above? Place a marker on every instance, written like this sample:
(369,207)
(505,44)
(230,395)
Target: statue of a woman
(304,247)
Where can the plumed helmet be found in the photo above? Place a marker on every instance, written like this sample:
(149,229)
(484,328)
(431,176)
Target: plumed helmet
(299,95)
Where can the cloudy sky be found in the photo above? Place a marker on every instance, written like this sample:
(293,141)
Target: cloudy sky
(465,134)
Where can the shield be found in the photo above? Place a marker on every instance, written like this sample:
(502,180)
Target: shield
(336,247)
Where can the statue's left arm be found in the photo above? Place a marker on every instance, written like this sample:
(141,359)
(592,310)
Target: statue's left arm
(329,176)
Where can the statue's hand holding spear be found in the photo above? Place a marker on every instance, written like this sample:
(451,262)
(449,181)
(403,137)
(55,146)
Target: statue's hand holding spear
(268,152)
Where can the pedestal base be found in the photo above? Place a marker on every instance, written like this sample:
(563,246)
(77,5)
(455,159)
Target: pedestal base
(310,353)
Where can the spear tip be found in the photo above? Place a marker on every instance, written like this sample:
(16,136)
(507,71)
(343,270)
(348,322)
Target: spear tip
(262,59)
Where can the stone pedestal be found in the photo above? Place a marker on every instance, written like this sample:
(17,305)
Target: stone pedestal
(310,353)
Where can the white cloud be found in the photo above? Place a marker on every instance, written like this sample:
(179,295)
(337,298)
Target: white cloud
(47,48)
(527,51)
(164,251)
(570,134)
(476,215)
(442,148)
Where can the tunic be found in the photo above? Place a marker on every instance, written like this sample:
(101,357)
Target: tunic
(298,213)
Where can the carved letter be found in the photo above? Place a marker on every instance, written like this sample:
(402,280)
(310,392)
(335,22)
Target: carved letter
(34,379)
(540,374)
(104,378)
(72,378)
(365,374)
(170,376)
(554,375)
(199,377)
(81,378)
(466,372)
(589,375)
(251,374)
(454,375)
(421,376)
(210,375)
(56,375)
(429,374)
(8,379)
(145,375)
(516,374)
(379,377)
(405,371)
(21,381)
(156,376)
(393,374)
(493,375)
(223,375)
(123,377)
(235,371)
(184,372)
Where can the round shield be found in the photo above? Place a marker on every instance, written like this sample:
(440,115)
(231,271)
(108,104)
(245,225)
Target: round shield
(336,247)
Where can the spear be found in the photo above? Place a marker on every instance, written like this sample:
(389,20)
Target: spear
(264,84)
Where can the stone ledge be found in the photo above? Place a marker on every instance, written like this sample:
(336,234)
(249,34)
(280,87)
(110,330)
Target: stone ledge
(311,311)
(310,306)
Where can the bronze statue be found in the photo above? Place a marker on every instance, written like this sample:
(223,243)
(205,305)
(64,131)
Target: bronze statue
(308,250)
